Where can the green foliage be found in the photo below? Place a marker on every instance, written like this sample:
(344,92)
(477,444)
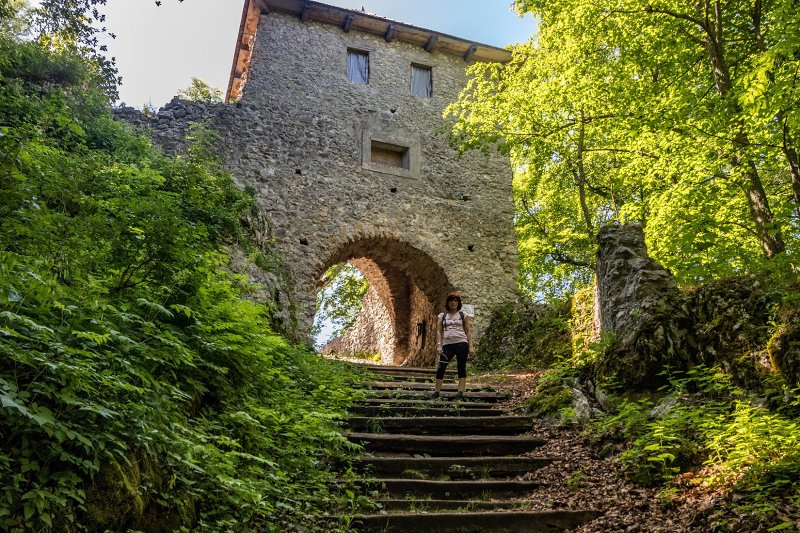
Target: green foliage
(200,91)
(135,372)
(676,115)
(704,424)
(525,336)
(549,399)
(340,299)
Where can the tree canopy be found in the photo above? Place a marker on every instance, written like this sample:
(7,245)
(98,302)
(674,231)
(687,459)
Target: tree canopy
(683,116)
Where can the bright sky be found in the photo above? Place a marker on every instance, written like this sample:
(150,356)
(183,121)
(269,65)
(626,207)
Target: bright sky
(159,49)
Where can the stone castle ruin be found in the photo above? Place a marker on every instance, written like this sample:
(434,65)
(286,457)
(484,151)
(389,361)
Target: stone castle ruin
(338,128)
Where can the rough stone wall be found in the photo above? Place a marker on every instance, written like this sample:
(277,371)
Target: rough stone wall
(300,137)
(171,125)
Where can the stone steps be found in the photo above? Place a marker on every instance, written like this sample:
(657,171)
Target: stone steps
(443,425)
(446,445)
(422,395)
(395,369)
(421,386)
(421,409)
(425,402)
(494,466)
(494,521)
(430,504)
(447,466)
(449,489)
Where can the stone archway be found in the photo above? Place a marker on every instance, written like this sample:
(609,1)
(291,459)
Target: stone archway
(406,291)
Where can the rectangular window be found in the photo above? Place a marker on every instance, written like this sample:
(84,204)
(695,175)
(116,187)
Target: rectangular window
(358,66)
(390,155)
(421,81)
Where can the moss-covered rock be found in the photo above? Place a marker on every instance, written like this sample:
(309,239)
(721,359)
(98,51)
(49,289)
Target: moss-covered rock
(783,347)
(115,498)
(118,500)
(526,335)
(742,326)
(549,400)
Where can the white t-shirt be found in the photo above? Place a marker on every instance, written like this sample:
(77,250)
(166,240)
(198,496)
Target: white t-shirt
(452,328)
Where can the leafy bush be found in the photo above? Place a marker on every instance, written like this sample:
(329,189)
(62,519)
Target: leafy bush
(139,388)
(705,424)
(525,335)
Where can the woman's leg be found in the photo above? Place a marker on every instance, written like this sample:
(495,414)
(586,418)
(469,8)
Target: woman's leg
(461,358)
(444,359)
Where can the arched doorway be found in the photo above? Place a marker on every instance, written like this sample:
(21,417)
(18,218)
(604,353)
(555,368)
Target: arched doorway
(397,319)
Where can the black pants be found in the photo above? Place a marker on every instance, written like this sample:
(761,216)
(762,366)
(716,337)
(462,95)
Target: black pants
(460,350)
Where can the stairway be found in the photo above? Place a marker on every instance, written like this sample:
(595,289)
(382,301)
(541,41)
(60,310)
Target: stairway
(440,465)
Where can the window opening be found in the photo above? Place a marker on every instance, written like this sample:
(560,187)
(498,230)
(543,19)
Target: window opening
(358,66)
(421,81)
(391,155)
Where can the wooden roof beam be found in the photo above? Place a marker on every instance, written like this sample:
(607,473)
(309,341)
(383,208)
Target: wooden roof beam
(430,46)
(470,52)
(390,33)
(348,22)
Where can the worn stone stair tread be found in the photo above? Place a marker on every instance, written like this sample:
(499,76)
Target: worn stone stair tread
(372,367)
(425,402)
(421,408)
(424,386)
(438,425)
(400,393)
(402,377)
(495,521)
(453,488)
(447,445)
(421,505)
(485,465)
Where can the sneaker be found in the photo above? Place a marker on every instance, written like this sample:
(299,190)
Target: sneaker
(434,396)
(459,397)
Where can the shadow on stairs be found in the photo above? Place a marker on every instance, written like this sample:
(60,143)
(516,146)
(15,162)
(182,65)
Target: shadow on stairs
(439,465)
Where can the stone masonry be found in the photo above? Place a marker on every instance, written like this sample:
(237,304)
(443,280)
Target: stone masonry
(303,138)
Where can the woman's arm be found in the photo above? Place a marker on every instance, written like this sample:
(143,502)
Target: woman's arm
(468,332)
(438,334)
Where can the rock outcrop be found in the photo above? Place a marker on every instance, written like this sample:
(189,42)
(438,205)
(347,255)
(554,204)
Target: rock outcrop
(638,310)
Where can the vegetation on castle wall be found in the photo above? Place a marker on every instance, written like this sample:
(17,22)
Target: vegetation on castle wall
(525,335)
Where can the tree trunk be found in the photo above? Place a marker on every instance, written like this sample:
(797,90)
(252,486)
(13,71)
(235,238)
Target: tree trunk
(587,217)
(794,162)
(767,230)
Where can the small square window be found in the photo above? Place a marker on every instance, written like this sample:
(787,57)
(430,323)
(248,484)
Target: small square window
(421,81)
(358,66)
(396,152)
(390,155)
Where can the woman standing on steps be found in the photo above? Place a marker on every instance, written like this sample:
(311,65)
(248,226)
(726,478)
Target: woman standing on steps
(453,338)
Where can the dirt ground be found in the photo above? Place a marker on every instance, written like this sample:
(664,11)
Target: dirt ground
(581,479)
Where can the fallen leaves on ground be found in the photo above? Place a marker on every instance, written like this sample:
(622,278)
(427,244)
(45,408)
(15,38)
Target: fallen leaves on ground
(579,479)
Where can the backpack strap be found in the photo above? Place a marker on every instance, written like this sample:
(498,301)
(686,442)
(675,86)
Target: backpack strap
(444,324)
